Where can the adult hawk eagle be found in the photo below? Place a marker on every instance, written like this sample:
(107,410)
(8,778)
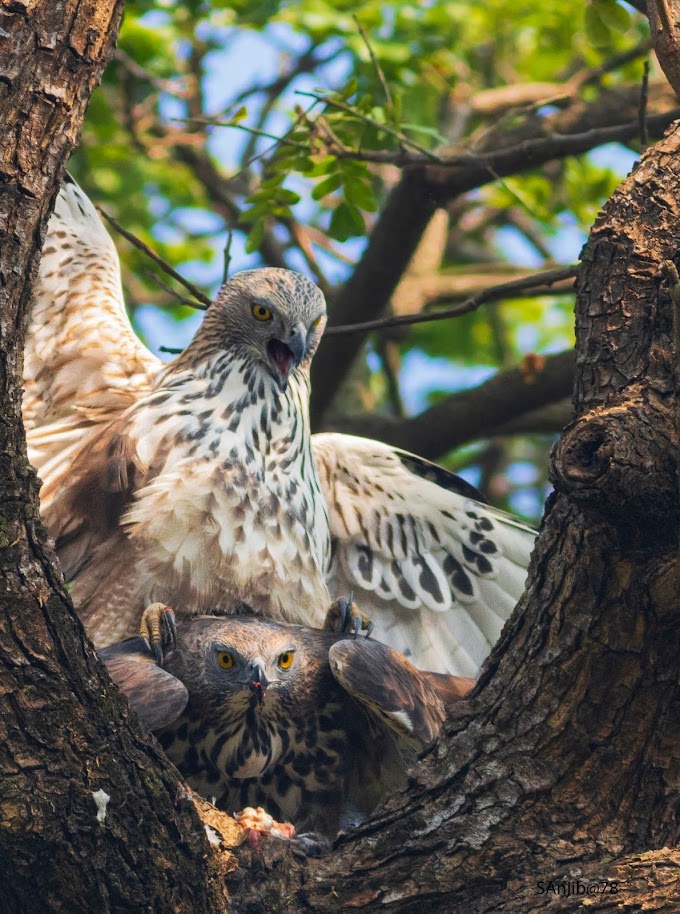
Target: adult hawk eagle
(315,726)
(197,483)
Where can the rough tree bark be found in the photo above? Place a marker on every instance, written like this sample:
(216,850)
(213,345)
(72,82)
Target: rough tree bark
(563,767)
(65,733)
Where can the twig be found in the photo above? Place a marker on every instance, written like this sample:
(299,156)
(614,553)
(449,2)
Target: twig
(299,237)
(191,302)
(388,353)
(227,256)
(348,109)
(217,188)
(378,69)
(519,219)
(306,63)
(247,162)
(152,255)
(644,100)
(140,73)
(590,75)
(170,350)
(493,293)
(490,463)
(215,122)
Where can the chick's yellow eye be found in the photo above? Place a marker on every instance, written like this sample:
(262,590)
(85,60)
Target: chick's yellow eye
(225,659)
(261,313)
(286,660)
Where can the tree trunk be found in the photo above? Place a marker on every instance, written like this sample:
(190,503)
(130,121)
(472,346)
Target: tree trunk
(65,733)
(561,776)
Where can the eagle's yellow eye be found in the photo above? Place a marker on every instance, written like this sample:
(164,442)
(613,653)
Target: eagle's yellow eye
(225,659)
(261,313)
(286,660)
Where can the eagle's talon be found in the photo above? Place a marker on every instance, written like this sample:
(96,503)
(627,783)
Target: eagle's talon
(344,616)
(343,606)
(159,629)
(171,624)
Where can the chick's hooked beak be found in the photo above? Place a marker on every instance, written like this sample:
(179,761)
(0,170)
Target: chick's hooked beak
(287,355)
(258,681)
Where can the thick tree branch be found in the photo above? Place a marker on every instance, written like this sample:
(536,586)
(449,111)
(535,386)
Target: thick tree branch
(465,416)
(547,420)
(421,191)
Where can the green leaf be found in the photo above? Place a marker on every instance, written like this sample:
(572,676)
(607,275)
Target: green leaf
(331,183)
(360,193)
(596,29)
(240,115)
(322,166)
(349,90)
(255,237)
(614,16)
(287,197)
(346,222)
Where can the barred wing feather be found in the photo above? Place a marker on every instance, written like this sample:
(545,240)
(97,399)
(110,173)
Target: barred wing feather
(438,571)
(83,363)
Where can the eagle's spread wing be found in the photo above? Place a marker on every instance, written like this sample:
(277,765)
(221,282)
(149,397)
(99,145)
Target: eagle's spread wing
(83,364)
(156,695)
(81,351)
(436,570)
(83,368)
(390,688)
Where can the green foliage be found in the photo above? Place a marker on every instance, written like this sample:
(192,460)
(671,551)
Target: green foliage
(603,20)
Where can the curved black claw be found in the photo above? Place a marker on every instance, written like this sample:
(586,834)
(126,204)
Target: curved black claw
(343,606)
(171,628)
(158,627)
(345,617)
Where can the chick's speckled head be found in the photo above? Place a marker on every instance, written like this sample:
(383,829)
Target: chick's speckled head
(271,316)
(244,663)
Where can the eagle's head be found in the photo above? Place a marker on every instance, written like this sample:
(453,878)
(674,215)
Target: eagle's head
(272,317)
(235,664)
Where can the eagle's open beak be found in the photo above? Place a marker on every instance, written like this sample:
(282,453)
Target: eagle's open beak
(286,356)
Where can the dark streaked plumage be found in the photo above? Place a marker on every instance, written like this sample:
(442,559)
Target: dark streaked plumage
(317,727)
